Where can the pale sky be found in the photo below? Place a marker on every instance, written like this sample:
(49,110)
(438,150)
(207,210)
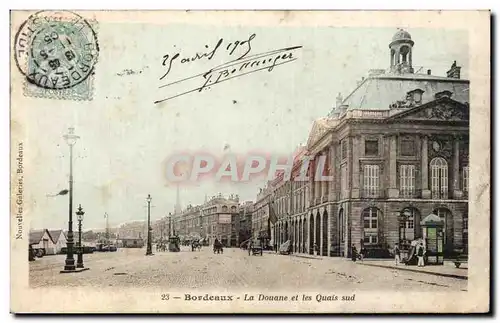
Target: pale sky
(125,138)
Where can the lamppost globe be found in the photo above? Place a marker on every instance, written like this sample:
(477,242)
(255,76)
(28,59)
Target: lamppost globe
(70,137)
(80,213)
(148,199)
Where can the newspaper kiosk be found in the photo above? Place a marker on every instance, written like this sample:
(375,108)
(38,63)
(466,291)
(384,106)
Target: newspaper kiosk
(432,232)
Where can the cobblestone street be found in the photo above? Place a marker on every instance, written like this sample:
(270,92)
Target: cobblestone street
(234,270)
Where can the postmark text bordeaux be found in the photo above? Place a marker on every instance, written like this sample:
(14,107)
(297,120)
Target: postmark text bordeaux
(56,50)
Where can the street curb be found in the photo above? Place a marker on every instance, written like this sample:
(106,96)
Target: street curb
(419,271)
(307,257)
(299,256)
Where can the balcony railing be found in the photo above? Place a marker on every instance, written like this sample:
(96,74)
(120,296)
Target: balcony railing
(410,193)
(372,193)
(439,194)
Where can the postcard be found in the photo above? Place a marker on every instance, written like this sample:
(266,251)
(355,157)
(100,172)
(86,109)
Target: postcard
(250,161)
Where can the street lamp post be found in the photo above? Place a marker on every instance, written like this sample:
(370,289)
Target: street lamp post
(80,213)
(169,225)
(69,265)
(149,250)
(403,218)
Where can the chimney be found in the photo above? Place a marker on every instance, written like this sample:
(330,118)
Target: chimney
(428,72)
(454,71)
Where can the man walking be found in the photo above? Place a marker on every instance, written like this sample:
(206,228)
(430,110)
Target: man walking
(420,255)
(397,254)
(354,253)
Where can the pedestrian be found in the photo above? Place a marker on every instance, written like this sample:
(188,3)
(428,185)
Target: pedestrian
(354,253)
(316,249)
(250,244)
(397,254)
(362,254)
(420,255)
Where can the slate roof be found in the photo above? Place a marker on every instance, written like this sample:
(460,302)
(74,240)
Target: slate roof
(55,234)
(377,92)
(36,236)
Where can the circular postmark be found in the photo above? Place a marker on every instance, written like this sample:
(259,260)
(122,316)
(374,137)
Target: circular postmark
(56,49)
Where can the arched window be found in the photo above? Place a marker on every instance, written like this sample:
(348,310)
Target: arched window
(370,224)
(224,208)
(439,178)
(404,51)
(408,227)
(233,209)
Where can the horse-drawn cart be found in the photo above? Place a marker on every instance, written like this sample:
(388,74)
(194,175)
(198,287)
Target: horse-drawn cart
(174,244)
(255,249)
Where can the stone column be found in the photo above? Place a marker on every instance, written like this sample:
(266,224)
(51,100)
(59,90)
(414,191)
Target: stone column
(308,230)
(321,232)
(345,223)
(301,234)
(426,193)
(329,232)
(393,191)
(457,190)
(312,186)
(333,173)
(278,234)
(317,183)
(355,166)
(324,184)
(315,238)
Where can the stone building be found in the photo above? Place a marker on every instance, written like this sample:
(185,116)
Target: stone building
(216,218)
(260,216)
(132,229)
(219,219)
(290,204)
(397,150)
(245,221)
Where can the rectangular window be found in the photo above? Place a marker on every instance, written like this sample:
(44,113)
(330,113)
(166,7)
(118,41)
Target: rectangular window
(407,180)
(371,180)
(370,238)
(371,147)
(465,179)
(343,145)
(407,147)
(343,181)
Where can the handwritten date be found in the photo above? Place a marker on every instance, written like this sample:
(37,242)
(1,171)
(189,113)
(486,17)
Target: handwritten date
(244,46)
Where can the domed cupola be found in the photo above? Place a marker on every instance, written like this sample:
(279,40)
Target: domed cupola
(401,48)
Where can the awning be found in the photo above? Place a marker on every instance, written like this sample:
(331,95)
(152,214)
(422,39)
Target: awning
(285,247)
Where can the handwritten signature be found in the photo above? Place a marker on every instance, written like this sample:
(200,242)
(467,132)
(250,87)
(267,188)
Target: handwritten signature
(243,65)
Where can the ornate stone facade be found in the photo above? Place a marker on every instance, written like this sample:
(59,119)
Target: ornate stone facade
(409,157)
